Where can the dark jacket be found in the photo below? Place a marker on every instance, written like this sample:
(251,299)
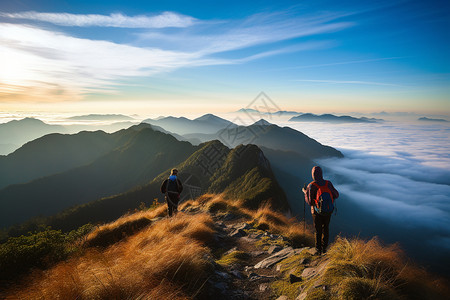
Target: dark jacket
(311,190)
(165,184)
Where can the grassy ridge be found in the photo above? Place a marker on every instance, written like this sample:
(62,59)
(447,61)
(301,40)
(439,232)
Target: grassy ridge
(141,256)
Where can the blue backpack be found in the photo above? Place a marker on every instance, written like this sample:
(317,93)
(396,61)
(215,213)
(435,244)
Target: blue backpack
(324,202)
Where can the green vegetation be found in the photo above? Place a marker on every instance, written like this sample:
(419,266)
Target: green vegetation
(246,175)
(38,250)
(265,242)
(242,174)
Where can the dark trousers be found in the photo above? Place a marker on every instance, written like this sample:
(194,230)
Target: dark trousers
(322,223)
(172,203)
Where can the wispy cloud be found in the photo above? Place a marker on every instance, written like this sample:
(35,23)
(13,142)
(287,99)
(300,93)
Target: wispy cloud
(38,59)
(35,60)
(165,19)
(348,62)
(259,29)
(347,82)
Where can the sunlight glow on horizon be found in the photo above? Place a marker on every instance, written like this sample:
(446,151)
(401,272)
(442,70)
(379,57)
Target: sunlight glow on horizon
(308,59)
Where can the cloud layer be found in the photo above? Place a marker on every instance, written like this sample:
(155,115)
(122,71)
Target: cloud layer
(165,19)
(396,172)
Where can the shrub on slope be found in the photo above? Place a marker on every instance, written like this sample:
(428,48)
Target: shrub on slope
(156,263)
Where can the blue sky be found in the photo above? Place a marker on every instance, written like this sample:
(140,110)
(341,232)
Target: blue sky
(143,56)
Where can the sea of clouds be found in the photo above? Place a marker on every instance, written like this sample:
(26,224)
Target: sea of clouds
(394,179)
(398,173)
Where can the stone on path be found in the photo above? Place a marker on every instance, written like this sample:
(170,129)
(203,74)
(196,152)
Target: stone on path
(273,249)
(238,233)
(302,296)
(275,258)
(309,272)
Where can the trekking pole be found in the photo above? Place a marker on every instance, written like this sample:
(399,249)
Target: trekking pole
(304,212)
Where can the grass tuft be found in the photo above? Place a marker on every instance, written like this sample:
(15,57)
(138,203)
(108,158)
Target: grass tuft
(354,288)
(234,257)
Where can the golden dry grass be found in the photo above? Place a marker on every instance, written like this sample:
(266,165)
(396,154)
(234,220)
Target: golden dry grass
(267,219)
(264,218)
(170,259)
(123,227)
(370,269)
(155,263)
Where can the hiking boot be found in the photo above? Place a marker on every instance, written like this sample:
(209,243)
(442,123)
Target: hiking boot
(318,252)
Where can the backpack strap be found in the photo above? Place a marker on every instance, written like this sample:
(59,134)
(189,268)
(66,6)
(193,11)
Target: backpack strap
(167,186)
(315,199)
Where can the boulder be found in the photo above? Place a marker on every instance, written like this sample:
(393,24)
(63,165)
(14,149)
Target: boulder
(313,251)
(242,226)
(256,253)
(300,250)
(230,251)
(309,272)
(255,236)
(274,248)
(302,296)
(275,258)
(238,233)
(260,278)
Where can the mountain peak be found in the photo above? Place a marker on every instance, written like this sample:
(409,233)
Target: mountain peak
(207,117)
(212,118)
(309,117)
(262,122)
(431,119)
(28,120)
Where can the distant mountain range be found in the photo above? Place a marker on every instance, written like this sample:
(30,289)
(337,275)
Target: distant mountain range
(276,113)
(208,123)
(15,133)
(270,136)
(332,119)
(59,171)
(117,163)
(54,153)
(425,119)
(99,117)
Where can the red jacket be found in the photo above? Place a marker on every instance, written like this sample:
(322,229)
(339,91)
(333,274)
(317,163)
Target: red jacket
(311,190)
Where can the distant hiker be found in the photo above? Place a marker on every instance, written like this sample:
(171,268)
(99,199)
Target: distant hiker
(320,194)
(172,187)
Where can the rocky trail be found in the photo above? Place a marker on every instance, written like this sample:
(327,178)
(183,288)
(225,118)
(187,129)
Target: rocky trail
(257,264)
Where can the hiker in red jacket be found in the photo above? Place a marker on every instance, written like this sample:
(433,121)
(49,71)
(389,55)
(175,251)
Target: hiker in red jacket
(172,187)
(320,194)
